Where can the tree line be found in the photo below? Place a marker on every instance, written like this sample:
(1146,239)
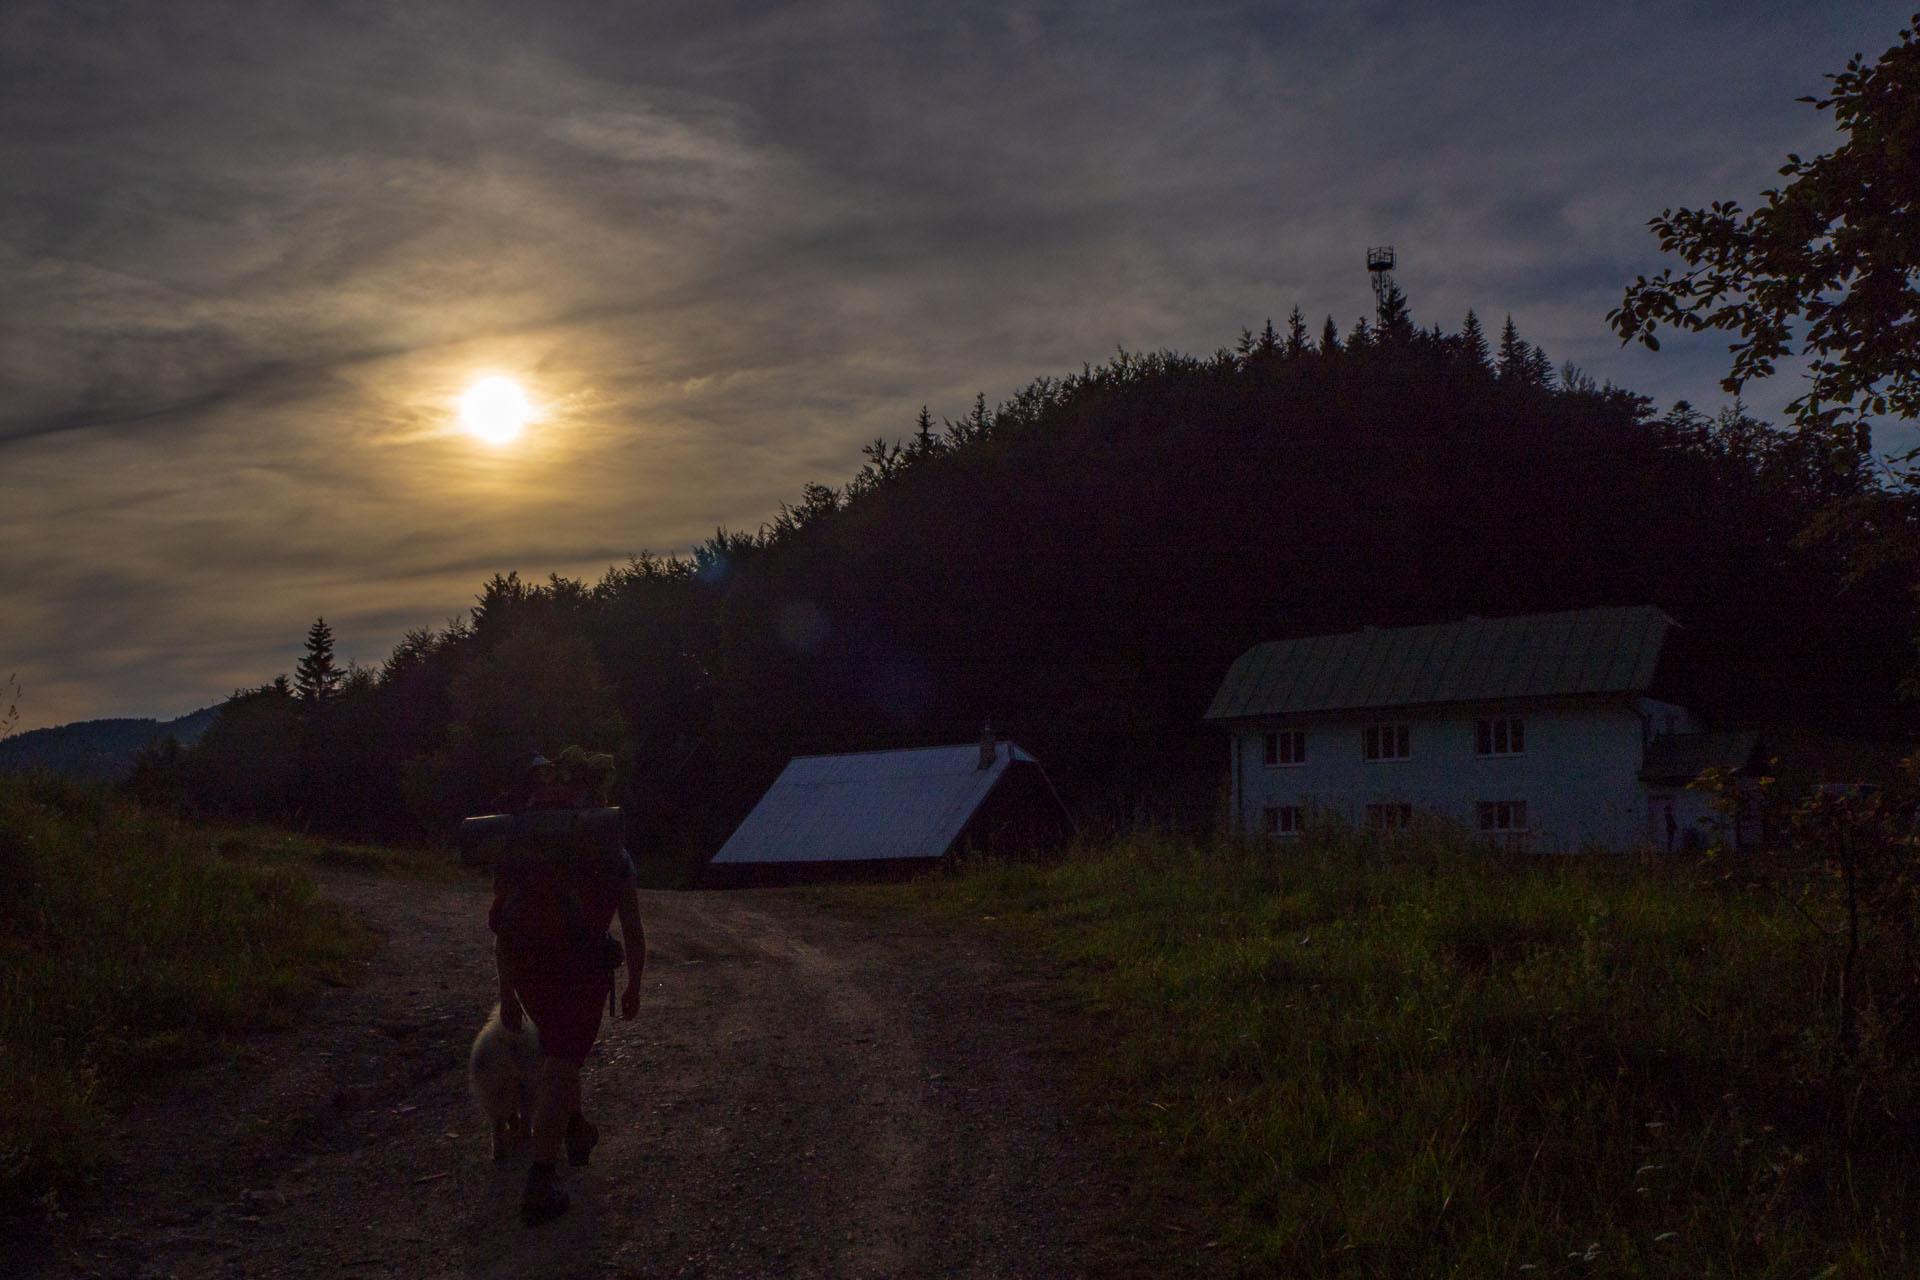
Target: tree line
(1079,565)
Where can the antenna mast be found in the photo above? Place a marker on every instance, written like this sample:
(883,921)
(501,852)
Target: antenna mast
(1380,270)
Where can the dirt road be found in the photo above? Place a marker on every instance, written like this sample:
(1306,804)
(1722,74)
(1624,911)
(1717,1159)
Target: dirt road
(806,1093)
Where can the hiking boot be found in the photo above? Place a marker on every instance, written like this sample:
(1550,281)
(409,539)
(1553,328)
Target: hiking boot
(581,1135)
(545,1199)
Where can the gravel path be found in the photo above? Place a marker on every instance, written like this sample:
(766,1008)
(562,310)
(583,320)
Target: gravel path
(806,1093)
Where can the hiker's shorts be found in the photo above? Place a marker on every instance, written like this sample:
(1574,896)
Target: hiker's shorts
(567,1014)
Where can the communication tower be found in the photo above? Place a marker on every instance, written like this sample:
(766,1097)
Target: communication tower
(1380,271)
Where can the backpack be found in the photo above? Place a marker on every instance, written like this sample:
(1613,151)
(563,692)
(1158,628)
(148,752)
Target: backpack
(538,858)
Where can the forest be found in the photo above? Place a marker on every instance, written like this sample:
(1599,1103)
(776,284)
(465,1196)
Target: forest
(1079,565)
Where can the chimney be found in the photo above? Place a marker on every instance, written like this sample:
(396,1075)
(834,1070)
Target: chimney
(987,746)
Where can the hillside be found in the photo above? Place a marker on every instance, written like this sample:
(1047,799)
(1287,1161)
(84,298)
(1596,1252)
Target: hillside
(1080,565)
(102,750)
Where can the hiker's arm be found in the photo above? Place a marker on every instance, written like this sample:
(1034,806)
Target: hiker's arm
(510,1011)
(634,938)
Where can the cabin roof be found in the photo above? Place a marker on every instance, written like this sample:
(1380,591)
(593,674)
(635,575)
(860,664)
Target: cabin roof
(870,805)
(1586,651)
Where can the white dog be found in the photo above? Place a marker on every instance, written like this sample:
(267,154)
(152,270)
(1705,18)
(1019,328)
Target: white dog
(500,1070)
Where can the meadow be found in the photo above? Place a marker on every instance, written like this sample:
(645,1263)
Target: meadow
(1330,1058)
(1431,1058)
(133,946)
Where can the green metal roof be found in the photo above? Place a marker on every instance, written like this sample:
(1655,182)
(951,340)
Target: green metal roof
(1587,651)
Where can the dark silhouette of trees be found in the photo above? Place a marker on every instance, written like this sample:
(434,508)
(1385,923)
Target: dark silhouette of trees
(1513,361)
(247,763)
(533,691)
(1473,342)
(1395,322)
(1080,564)
(317,678)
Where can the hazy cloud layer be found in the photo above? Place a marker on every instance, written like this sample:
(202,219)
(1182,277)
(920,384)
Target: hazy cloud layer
(251,253)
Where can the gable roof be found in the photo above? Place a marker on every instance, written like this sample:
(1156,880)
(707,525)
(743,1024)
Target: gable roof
(1586,651)
(870,805)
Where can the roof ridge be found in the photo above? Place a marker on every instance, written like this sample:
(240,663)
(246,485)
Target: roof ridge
(1601,649)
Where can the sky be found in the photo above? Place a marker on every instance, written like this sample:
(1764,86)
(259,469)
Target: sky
(252,254)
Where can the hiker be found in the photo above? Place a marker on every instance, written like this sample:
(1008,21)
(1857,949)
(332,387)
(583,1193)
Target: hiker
(556,960)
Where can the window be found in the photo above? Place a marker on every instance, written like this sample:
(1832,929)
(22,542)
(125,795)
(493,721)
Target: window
(1505,737)
(1389,818)
(1387,742)
(1503,815)
(1286,748)
(1282,820)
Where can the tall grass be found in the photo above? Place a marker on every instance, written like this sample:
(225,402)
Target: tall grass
(1435,1060)
(130,945)
(297,849)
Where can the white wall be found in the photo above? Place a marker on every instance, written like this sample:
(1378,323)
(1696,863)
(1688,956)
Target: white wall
(1579,773)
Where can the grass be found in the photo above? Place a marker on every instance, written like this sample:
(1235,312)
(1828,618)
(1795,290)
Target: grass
(272,845)
(131,946)
(1439,1061)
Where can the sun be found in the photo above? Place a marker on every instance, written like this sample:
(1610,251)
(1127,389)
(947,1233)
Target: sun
(495,409)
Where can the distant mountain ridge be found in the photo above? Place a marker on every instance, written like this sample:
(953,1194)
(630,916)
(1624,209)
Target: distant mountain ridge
(98,749)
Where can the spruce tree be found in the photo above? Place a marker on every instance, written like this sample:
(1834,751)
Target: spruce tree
(1515,355)
(1473,341)
(1269,341)
(1539,368)
(316,679)
(1296,333)
(1329,338)
(1395,321)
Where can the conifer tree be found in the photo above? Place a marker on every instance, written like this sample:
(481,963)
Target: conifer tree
(1296,333)
(1539,367)
(1473,341)
(1329,338)
(1269,341)
(1515,356)
(316,679)
(1395,321)
(977,425)
(924,438)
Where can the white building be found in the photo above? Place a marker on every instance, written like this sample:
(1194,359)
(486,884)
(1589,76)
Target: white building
(1537,729)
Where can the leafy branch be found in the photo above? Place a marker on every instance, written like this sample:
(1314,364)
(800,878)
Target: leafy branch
(1836,249)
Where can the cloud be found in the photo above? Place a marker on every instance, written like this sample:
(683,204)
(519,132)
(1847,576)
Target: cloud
(251,253)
